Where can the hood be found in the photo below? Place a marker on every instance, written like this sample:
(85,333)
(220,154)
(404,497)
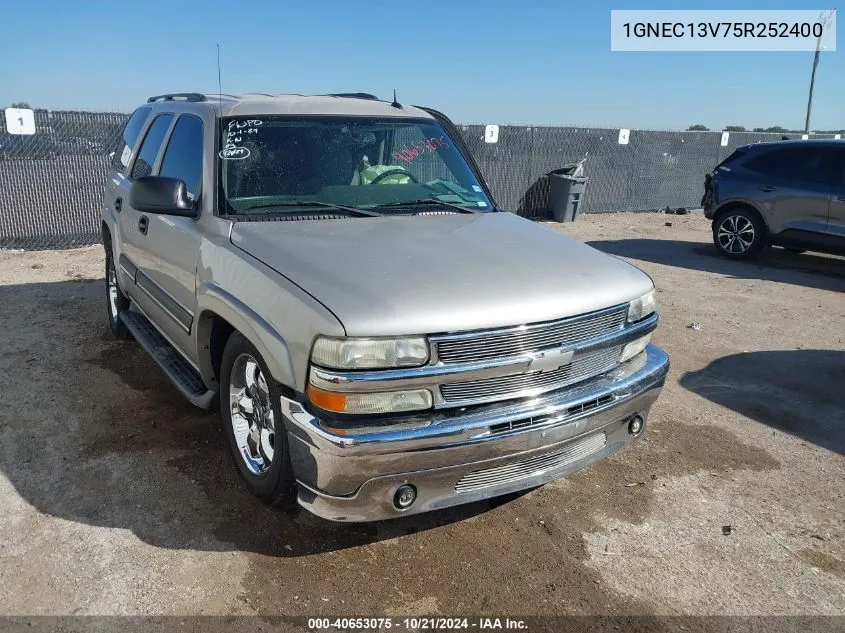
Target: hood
(440,273)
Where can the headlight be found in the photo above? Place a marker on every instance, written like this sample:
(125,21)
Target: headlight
(370,353)
(644,306)
(634,347)
(382,402)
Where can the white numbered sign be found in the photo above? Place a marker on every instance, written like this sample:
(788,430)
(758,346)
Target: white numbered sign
(804,137)
(491,134)
(725,137)
(624,135)
(20,121)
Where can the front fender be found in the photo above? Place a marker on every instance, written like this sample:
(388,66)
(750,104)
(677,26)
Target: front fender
(276,316)
(213,300)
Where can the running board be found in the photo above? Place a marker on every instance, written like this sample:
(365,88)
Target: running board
(181,373)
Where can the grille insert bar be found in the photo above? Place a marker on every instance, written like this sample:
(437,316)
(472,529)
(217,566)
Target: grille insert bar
(532,466)
(533,338)
(525,423)
(590,405)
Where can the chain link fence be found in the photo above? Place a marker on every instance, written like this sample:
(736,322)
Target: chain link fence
(51,183)
(654,170)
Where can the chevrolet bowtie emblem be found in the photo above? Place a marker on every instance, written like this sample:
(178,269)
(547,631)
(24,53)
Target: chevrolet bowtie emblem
(551,360)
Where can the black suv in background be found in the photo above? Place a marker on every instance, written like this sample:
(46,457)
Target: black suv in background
(785,193)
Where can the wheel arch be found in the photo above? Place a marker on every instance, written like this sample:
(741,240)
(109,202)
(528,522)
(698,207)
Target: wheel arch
(219,316)
(741,204)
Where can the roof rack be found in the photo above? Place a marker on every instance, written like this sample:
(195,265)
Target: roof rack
(187,96)
(354,95)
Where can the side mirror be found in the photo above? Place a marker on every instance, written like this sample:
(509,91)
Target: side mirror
(163,196)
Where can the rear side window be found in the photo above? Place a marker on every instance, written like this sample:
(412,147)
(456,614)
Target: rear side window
(127,141)
(819,165)
(183,156)
(735,155)
(149,148)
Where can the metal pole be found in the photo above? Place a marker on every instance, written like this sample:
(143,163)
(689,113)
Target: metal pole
(810,98)
(825,20)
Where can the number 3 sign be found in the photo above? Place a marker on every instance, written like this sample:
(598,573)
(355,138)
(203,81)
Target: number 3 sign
(491,134)
(20,121)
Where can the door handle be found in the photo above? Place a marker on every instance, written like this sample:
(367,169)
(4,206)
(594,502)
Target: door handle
(767,188)
(143,224)
(118,204)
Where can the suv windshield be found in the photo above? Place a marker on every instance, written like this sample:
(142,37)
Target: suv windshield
(274,164)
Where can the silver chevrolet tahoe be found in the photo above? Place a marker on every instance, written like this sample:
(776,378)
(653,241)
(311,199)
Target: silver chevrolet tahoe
(381,339)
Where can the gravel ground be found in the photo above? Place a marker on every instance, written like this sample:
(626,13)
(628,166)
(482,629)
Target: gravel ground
(119,498)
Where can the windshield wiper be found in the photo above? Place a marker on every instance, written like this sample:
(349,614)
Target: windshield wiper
(425,201)
(314,203)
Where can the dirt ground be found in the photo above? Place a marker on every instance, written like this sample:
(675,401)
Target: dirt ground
(119,498)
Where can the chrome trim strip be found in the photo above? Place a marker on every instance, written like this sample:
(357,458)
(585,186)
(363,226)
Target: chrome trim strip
(183,317)
(433,375)
(425,376)
(627,381)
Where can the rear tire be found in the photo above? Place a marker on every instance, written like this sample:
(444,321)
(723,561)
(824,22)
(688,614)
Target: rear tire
(116,301)
(738,233)
(251,410)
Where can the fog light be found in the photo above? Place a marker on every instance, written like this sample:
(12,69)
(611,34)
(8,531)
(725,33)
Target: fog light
(405,497)
(635,425)
(634,347)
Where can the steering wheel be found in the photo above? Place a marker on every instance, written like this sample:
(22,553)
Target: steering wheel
(393,172)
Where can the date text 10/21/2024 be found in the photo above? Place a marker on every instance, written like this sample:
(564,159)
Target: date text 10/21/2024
(416,624)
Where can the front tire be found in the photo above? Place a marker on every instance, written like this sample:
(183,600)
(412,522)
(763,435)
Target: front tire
(252,418)
(738,233)
(116,301)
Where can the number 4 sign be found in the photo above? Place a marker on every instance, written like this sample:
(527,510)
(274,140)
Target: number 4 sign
(20,121)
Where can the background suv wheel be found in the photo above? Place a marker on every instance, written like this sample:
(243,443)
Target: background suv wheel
(738,233)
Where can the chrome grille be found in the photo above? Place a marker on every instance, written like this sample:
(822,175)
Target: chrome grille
(536,465)
(531,338)
(583,366)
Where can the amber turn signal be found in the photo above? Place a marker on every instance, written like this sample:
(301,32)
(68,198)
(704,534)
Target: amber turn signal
(327,400)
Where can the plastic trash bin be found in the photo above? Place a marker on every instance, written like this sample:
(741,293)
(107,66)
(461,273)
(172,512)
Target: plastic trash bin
(566,189)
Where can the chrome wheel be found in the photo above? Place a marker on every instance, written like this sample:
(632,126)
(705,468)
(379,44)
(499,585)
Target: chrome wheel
(735,234)
(252,414)
(113,291)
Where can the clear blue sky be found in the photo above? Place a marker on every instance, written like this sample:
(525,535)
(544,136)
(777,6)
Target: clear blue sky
(499,61)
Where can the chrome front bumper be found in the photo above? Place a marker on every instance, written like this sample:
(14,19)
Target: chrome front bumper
(470,455)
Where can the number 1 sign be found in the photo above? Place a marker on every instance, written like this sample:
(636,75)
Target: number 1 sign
(20,121)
